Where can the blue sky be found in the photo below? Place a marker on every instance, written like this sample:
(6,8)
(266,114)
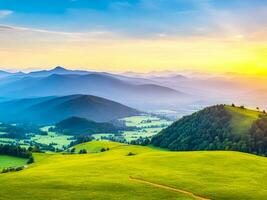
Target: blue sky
(132,17)
(141,35)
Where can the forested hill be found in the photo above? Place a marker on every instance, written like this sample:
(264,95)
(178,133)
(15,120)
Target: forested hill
(82,126)
(218,127)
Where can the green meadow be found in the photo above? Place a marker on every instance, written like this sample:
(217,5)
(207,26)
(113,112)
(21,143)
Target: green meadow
(147,126)
(145,121)
(10,161)
(149,174)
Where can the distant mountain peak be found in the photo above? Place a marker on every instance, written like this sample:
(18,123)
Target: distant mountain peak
(59,68)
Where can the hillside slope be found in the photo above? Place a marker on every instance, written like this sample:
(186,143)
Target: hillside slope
(114,175)
(54,109)
(217,128)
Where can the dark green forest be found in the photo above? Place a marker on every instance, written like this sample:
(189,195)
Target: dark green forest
(82,126)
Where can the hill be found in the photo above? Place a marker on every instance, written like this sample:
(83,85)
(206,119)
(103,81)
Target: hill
(150,174)
(78,126)
(51,110)
(217,128)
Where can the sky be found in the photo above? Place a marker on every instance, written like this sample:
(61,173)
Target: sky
(135,35)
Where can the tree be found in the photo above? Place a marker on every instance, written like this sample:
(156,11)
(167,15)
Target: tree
(31,160)
(131,154)
(83,151)
(72,150)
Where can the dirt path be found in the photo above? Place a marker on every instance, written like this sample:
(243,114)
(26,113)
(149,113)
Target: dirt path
(168,188)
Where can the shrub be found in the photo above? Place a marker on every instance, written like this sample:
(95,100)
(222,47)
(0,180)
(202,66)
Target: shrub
(12,169)
(83,151)
(131,154)
(31,160)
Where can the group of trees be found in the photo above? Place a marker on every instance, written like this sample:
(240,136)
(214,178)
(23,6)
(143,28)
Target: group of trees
(80,139)
(16,151)
(258,136)
(141,141)
(20,131)
(83,151)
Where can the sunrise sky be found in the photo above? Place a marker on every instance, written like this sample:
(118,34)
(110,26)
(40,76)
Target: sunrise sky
(135,35)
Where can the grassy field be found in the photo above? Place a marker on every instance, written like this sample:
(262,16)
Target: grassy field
(148,125)
(58,140)
(145,121)
(150,174)
(242,119)
(10,161)
(96,146)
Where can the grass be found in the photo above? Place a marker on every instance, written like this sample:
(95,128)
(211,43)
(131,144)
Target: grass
(57,139)
(214,174)
(242,119)
(96,146)
(10,161)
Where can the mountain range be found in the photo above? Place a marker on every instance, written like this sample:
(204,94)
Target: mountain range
(135,92)
(50,110)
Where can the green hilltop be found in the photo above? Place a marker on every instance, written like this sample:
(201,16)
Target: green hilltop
(219,127)
(242,118)
(147,174)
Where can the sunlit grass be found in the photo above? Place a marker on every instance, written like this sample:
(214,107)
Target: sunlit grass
(215,175)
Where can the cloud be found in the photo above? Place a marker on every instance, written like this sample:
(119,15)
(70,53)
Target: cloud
(5,13)
(16,36)
(120,5)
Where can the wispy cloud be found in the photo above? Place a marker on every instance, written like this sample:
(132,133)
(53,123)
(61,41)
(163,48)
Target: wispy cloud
(5,13)
(120,5)
(7,29)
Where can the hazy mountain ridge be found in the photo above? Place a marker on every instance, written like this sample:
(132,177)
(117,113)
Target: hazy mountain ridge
(146,91)
(125,90)
(53,109)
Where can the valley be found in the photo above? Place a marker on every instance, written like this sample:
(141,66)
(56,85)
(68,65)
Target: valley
(143,126)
